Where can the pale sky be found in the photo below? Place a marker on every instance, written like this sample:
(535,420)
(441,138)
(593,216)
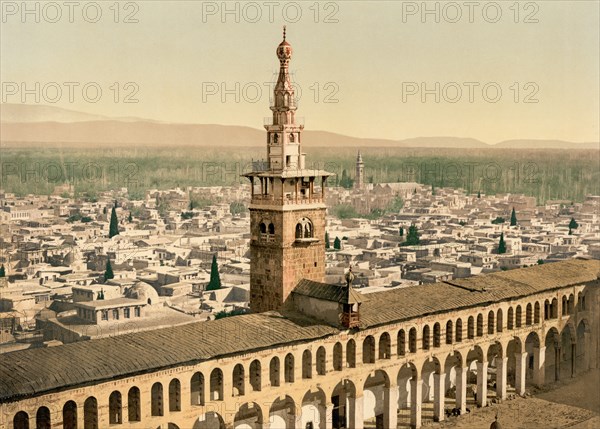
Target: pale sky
(374,58)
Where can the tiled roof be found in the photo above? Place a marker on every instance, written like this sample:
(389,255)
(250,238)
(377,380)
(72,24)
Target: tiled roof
(36,371)
(328,292)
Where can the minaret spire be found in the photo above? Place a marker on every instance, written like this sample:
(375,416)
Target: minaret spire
(284,32)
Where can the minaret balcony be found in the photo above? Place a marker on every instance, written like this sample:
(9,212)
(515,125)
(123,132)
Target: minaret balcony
(298,121)
(270,200)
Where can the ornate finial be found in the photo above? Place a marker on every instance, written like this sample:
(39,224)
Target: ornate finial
(349,276)
(284,32)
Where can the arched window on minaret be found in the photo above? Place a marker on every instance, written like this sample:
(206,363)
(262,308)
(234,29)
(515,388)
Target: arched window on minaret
(263,228)
(292,138)
(298,230)
(271,228)
(275,138)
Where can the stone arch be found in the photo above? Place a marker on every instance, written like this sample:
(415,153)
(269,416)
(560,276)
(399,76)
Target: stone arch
(175,395)
(282,413)
(568,349)
(255,375)
(115,408)
(271,228)
(532,343)
(449,333)
(321,361)
(42,418)
(157,408)
(385,346)
(351,353)
(536,313)
(515,364)
(304,228)
(563,306)
(529,315)
(210,420)
(216,385)
(262,228)
(376,397)
(401,342)
(406,379)
(426,337)
(307,364)
(582,350)
(571,304)
(499,320)
(21,420)
(238,380)
(459,330)
(368,349)
(480,325)
(547,310)
(288,370)
(338,357)
(430,370)
(554,308)
(510,319)
(248,416)
(343,398)
(552,358)
(90,413)
(134,407)
(412,340)
(490,323)
(274,371)
(471,327)
(437,341)
(518,317)
(69,415)
(197,389)
(313,409)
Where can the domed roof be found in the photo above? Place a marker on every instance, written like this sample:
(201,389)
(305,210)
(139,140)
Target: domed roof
(284,50)
(143,291)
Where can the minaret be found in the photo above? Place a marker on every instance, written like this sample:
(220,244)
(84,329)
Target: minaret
(359,179)
(287,210)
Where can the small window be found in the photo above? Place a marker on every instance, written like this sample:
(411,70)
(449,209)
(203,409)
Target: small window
(104,315)
(137,312)
(116,314)
(271,228)
(263,228)
(126,313)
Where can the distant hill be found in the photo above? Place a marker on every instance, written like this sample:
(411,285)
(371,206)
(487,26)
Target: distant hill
(26,125)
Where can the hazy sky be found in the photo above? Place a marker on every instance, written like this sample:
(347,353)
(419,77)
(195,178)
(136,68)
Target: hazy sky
(361,66)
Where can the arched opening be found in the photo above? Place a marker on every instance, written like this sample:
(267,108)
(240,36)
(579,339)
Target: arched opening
(510,320)
(490,324)
(568,351)
(477,375)
(343,399)
(499,321)
(321,361)
(426,336)
(21,420)
(581,350)
(410,396)
(134,406)
(449,334)
(529,315)
(376,400)
(480,325)
(298,230)
(175,395)
(255,378)
(385,346)
(288,371)
(197,389)
(534,372)
(495,359)
(552,358)
(563,306)
(238,380)
(412,340)
(432,391)
(516,366)
(42,418)
(571,304)
(436,335)
(248,416)
(115,408)
(210,420)
(274,372)
(401,343)
(313,409)
(338,357)
(216,385)
(471,328)
(282,413)
(90,413)
(455,383)
(536,313)
(369,350)
(263,228)
(459,330)
(69,415)
(554,308)
(547,310)
(304,228)
(351,354)
(271,228)
(157,408)
(307,364)
(518,317)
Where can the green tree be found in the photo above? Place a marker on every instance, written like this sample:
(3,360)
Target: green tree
(412,238)
(2,271)
(498,220)
(130,218)
(540,261)
(108,274)
(478,194)
(572,225)
(337,244)
(113,228)
(513,218)
(401,232)
(237,207)
(215,279)
(501,245)
(327,243)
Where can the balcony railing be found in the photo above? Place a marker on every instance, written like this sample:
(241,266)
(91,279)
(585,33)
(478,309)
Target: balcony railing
(272,201)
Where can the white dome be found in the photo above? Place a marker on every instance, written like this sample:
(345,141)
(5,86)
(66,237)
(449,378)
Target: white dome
(143,291)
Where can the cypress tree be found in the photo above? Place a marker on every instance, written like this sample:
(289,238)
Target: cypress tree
(513,218)
(130,218)
(337,244)
(412,238)
(2,271)
(108,274)
(327,244)
(215,280)
(401,232)
(573,225)
(501,245)
(113,229)
(478,194)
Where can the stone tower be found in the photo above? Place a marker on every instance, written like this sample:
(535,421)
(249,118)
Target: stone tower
(359,178)
(287,210)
